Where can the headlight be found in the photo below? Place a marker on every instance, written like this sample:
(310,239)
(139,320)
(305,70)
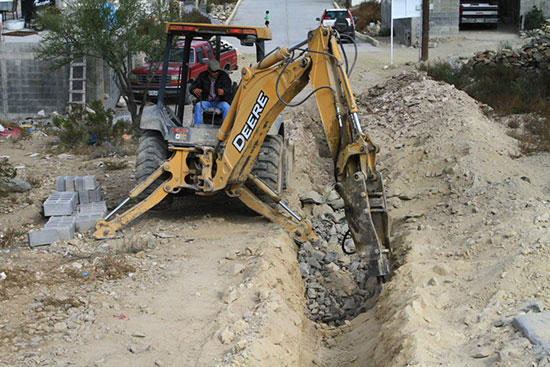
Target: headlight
(133,77)
(174,78)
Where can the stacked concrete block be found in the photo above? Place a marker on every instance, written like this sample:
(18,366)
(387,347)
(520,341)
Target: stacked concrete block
(64,225)
(76,205)
(85,186)
(88,214)
(90,196)
(60,203)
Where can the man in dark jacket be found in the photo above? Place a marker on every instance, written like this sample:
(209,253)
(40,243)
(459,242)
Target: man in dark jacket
(213,88)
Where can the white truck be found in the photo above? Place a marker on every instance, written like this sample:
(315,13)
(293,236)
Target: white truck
(479,12)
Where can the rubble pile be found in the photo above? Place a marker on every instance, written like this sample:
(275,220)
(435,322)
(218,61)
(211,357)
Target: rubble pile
(534,55)
(337,286)
(222,12)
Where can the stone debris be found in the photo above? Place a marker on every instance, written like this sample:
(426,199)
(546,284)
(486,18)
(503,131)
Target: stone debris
(337,287)
(76,205)
(536,328)
(14,184)
(222,12)
(535,55)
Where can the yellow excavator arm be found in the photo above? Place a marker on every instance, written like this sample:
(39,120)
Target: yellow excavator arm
(266,88)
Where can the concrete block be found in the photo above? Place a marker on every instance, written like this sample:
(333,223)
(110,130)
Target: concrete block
(69,183)
(85,183)
(60,203)
(95,195)
(535,327)
(42,237)
(79,183)
(98,207)
(83,197)
(85,222)
(64,225)
(60,183)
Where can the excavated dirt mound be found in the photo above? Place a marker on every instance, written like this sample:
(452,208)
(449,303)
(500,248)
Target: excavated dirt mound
(471,245)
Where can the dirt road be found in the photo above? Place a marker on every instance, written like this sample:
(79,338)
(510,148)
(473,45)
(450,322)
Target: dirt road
(208,284)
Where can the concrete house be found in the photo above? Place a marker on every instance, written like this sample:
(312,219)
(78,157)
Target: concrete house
(444,17)
(27,86)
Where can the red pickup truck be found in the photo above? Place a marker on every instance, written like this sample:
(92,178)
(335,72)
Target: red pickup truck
(201,52)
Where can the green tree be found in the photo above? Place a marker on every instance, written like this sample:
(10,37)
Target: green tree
(93,28)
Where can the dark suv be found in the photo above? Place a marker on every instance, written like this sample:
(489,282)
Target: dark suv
(339,19)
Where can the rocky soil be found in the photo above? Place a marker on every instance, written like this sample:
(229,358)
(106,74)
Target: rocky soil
(208,284)
(535,55)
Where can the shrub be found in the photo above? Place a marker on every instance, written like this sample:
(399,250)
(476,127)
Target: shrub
(84,126)
(9,237)
(440,70)
(534,19)
(367,12)
(504,45)
(194,16)
(7,169)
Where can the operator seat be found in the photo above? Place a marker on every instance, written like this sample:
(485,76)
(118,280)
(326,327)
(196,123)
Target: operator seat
(213,115)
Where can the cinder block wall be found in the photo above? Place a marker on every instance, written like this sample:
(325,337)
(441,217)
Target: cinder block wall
(444,19)
(26,85)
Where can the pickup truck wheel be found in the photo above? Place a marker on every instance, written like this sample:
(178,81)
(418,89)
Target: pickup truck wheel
(227,67)
(151,153)
(269,167)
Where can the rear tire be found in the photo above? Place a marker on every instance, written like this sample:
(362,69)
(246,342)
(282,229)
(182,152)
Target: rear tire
(151,153)
(269,167)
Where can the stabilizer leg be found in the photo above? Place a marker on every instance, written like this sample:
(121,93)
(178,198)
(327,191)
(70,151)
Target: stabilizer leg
(299,229)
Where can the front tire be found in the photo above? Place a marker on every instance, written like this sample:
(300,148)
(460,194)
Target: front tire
(269,167)
(151,153)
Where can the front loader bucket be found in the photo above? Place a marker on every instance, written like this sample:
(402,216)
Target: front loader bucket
(367,216)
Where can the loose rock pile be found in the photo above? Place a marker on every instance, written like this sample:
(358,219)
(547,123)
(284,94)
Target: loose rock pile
(222,12)
(337,287)
(534,55)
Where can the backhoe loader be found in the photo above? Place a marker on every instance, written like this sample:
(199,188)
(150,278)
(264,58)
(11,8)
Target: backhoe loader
(244,156)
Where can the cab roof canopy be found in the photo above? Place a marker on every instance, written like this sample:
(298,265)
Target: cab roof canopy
(206,31)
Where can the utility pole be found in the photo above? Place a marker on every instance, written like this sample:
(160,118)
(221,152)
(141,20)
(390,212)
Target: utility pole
(425,28)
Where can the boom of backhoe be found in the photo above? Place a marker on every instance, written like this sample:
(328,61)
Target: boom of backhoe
(265,89)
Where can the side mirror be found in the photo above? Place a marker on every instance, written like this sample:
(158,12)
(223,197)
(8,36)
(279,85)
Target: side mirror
(318,19)
(204,60)
(248,41)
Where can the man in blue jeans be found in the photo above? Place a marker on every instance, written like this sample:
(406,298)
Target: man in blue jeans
(213,88)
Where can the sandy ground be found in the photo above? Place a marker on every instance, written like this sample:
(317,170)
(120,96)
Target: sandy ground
(208,284)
